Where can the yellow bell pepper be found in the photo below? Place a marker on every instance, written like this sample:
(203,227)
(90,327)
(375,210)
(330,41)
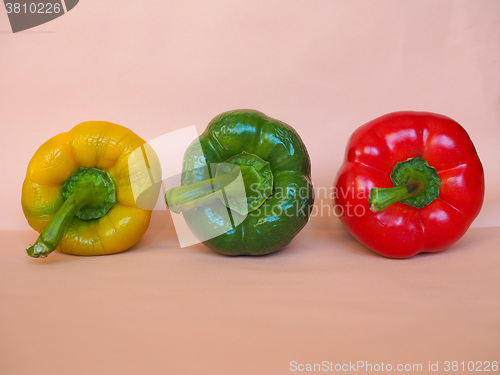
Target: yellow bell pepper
(90,191)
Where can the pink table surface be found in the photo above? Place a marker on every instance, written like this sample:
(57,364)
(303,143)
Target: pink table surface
(159,309)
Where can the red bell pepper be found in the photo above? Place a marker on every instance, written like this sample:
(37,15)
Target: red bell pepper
(411,182)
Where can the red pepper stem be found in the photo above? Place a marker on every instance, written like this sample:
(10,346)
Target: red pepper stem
(382,198)
(51,236)
(416,184)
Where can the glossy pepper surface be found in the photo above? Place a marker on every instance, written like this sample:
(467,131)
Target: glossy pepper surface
(275,169)
(411,182)
(81,190)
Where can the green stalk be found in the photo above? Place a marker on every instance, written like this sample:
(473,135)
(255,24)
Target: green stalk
(88,194)
(242,198)
(186,197)
(51,236)
(416,184)
(381,198)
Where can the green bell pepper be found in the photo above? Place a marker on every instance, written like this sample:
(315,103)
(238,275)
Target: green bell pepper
(276,171)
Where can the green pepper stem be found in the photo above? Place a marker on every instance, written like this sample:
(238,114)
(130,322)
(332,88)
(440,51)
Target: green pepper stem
(51,236)
(186,197)
(241,196)
(381,198)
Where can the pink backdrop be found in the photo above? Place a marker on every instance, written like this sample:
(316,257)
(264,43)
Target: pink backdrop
(325,67)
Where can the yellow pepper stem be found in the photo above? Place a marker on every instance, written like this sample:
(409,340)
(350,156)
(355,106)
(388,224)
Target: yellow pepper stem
(51,236)
(89,193)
